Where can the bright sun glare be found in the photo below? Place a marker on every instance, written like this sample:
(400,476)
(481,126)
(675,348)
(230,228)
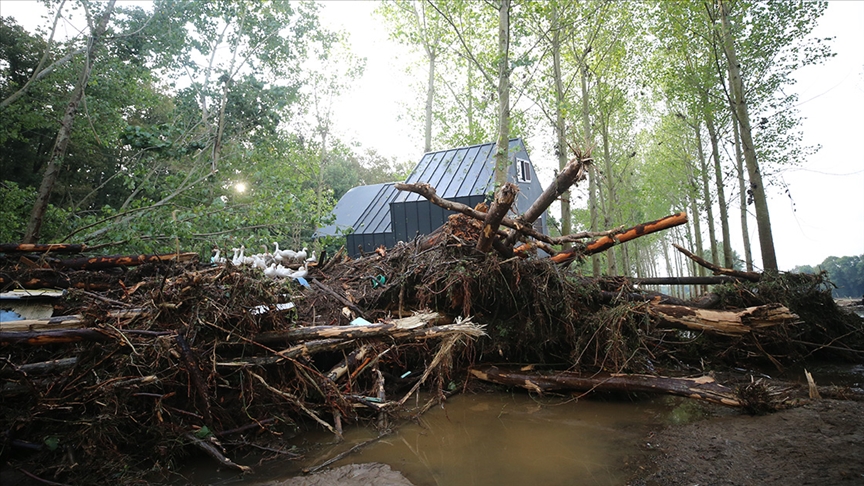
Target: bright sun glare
(240,187)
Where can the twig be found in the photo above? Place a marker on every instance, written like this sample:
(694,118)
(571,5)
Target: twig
(216,454)
(343,454)
(291,398)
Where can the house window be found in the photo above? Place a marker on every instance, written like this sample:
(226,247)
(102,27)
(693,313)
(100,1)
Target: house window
(523,170)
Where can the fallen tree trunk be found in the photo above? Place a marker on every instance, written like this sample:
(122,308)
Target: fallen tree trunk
(503,200)
(56,281)
(345,332)
(703,388)
(683,280)
(62,322)
(725,323)
(606,242)
(94,263)
(42,338)
(41,248)
(751,276)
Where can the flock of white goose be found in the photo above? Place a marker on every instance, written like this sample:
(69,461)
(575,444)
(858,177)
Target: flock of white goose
(272,264)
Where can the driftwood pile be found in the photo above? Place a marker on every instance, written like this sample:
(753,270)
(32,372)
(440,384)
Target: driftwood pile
(150,357)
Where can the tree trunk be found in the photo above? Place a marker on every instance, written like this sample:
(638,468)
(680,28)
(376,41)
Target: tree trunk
(504,198)
(52,169)
(697,217)
(592,178)
(706,194)
(609,199)
(561,150)
(430,96)
(724,323)
(763,219)
(742,189)
(502,150)
(704,388)
(728,260)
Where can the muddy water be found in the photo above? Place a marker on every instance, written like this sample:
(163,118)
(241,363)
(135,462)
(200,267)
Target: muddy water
(504,439)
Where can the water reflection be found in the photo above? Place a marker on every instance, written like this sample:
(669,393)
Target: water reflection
(503,439)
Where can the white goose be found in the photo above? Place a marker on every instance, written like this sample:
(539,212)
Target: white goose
(312,258)
(237,259)
(301,255)
(270,271)
(283,272)
(301,272)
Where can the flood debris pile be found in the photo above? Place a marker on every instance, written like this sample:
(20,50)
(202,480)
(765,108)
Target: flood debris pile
(151,357)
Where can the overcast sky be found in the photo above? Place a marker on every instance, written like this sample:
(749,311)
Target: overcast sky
(823,217)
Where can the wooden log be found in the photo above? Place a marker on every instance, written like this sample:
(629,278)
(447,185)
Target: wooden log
(190,362)
(718,270)
(55,281)
(347,332)
(504,198)
(428,192)
(39,368)
(41,248)
(63,322)
(63,336)
(94,263)
(703,387)
(341,368)
(325,332)
(574,171)
(725,323)
(309,348)
(683,280)
(606,242)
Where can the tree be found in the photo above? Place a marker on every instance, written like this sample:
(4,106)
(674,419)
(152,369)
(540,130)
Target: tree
(52,169)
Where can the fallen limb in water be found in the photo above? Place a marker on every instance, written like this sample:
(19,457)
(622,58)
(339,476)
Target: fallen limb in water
(703,387)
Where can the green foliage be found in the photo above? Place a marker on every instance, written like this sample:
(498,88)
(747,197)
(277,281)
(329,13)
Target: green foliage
(846,273)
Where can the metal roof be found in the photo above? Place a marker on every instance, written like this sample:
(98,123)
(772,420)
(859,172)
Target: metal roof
(352,206)
(376,217)
(458,172)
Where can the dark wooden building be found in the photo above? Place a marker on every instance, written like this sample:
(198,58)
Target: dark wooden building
(380,215)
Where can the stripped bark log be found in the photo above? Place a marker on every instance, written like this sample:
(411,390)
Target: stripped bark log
(609,241)
(703,387)
(718,270)
(574,171)
(63,322)
(346,332)
(41,248)
(725,323)
(500,206)
(341,368)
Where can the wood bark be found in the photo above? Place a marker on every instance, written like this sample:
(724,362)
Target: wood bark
(708,206)
(504,198)
(724,323)
(751,276)
(703,387)
(57,281)
(190,362)
(341,368)
(606,242)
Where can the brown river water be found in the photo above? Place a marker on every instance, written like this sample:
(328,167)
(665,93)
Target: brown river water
(499,439)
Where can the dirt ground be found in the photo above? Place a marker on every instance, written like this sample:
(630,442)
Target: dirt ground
(820,443)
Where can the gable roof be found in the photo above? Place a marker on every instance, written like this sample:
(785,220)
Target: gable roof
(457,173)
(355,204)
